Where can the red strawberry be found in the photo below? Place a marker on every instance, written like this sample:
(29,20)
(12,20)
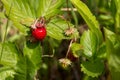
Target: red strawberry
(39,33)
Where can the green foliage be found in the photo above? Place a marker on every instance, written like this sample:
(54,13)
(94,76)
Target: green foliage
(90,40)
(101,53)
(113,41)
(77,49)
(10,54)
(29,63)
(94,68)
(8,60)
(113,56)
(117,16)
(34,52)
(2,15)
(24,12)
(18,10)
(56,29)
(6,73)
(48,8)
(90,43)
(17,66)
(88,17)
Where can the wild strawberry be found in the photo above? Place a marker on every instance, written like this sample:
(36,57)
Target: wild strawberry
(65,62)
(39,33)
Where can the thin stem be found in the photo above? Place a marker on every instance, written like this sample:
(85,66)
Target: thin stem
(69,48)
(5,33)
(68,12)
(74,15)
(48,55)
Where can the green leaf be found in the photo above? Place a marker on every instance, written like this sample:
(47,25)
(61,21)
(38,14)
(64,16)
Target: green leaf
(89,42)
(117,4)
(2,15)
(88,17)
(113,50)
(49,8)
(8,61)
(21,67)
(86,14)
(17,11)
(86,77)
(6,73)
(9,54)
(56,29)
(24,12)
(28,64)
(117,16)
(101,53)
(117,20)
(25,69)
(34,52)
(93,69)
(115,10)
(76,49)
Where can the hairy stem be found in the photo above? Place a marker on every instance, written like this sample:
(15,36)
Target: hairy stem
(5,32)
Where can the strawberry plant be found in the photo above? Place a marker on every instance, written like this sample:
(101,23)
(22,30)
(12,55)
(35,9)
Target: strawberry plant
(43,40)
